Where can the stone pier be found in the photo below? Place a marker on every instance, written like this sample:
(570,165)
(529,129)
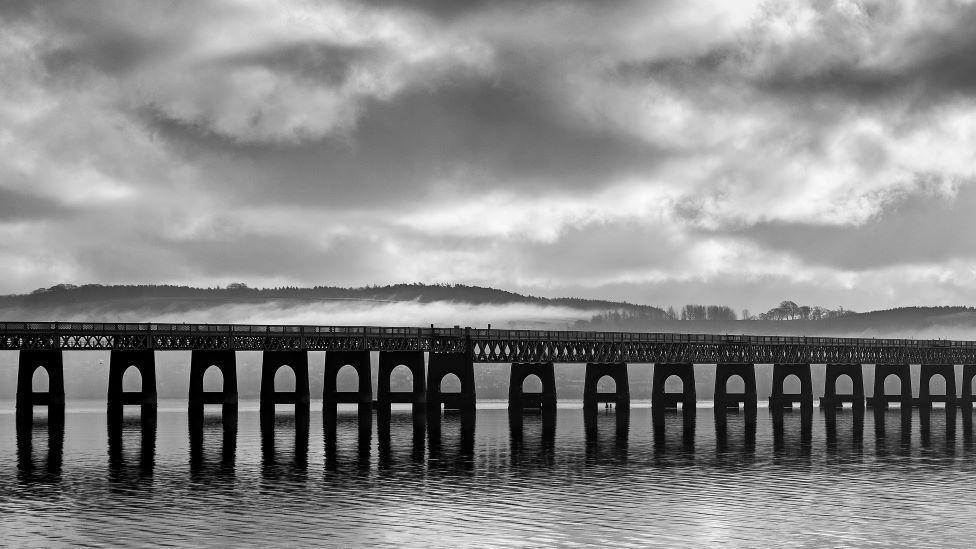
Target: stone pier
(831,398)
(544,401)
(28,363)
(417,396)
(270,363)
(660,398)
(616,371)
(223,361)
(881,399)
(779,398)
(441,365)
(926,373)
(145,363)
(724,399)
(362,396)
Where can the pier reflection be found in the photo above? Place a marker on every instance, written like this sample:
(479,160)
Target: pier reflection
(398,431)
(735,431)
(607,434)
(892,431)
(792,432)
(284,445)
(128,431)
(345,433)
(210,460)
(450,438)
(674,434)
(844,430)
(40,446)
(532,437)
(937,428)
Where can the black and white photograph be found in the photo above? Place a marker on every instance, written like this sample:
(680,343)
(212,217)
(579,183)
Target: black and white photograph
(487,274)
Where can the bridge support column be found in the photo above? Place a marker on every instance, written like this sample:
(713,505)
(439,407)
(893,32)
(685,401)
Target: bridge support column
(616,371)
(967,398)
(926,373)
(271,361)
(413,361)
(724,399)
(780,399)
(363,396)
(28,363)
(544,401)
(443,364)
(660,398)
(226,363)
(833,400)
(31,467)
(143,361)
(881,373)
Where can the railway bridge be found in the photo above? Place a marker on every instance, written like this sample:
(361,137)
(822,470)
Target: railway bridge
(432,353)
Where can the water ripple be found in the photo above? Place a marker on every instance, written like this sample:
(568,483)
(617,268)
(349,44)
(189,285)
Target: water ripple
(637,481)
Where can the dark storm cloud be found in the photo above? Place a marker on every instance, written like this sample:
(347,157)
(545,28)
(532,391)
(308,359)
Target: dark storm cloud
(404,149)
(19,205)
(919,229)
(323,62)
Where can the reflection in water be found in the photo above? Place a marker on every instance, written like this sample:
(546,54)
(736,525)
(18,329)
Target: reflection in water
(937,428)
(284,444)
(401,437)
(792,432)
(451,440)
(735,430)
(348,432)
(532,437)
(126,432)
(207,459)
(567,478)
(844,430)
(893,431)
(40,446)
(607,434)
(674,435)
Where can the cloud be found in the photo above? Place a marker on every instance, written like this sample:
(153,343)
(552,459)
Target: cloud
(651,151)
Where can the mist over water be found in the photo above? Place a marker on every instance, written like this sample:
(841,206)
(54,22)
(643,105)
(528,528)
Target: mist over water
(796,482)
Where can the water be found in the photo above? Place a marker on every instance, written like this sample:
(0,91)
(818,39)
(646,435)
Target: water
(632,484)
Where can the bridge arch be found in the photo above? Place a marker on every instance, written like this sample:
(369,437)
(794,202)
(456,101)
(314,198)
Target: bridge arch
(285,378)
(213,378)
(347,378)
(675,383)
(132,379)
(532,383)
(450,383)
(735,384)
(792,384)
(401,378)
(844,384)
(892,383)
(606,384)
(41,380)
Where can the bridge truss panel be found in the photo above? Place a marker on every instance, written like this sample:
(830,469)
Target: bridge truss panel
(487,345)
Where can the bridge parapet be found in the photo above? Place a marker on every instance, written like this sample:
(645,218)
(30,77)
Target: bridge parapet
(487,345)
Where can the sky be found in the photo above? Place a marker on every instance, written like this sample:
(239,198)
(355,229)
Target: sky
(660,152)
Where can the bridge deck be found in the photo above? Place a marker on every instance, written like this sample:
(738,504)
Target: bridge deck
(488,345)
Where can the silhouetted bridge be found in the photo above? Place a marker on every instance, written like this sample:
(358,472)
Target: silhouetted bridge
(455,350)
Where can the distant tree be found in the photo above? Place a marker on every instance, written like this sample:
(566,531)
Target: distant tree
(719,312)
(694,312)
(671,314)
